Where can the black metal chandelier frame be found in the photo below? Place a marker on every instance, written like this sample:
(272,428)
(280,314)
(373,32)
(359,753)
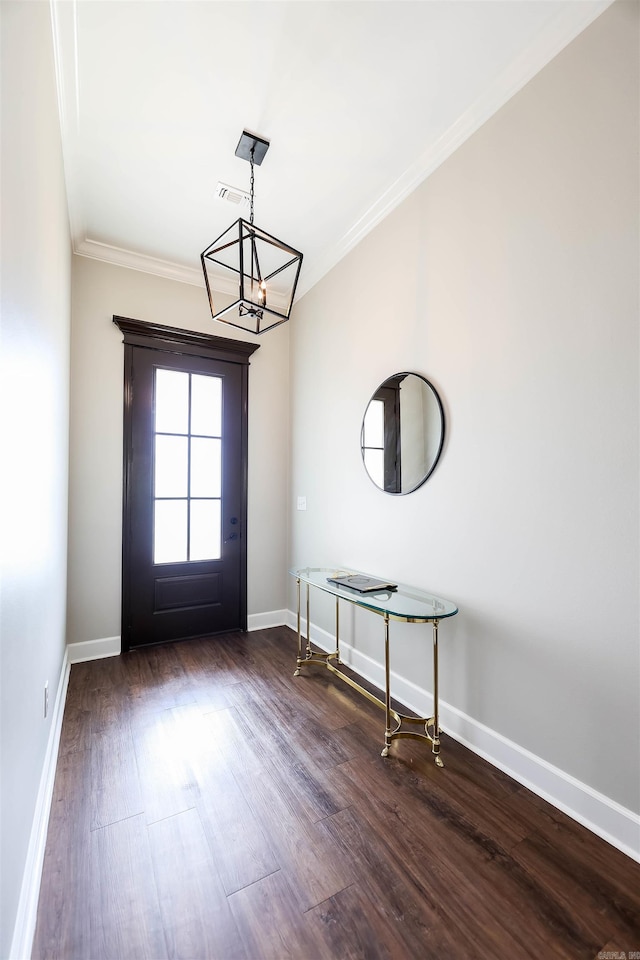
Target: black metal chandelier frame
(251,306)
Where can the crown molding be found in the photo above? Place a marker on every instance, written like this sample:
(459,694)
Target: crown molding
(559,32)
(108,253)
(64,29)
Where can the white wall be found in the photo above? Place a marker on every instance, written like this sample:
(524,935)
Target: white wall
(34,384)
(101,290)
(509,279)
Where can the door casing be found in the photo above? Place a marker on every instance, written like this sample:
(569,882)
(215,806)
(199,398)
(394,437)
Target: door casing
(174,340)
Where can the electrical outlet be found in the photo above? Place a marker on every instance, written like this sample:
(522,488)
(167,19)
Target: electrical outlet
(46,699)
(302,503)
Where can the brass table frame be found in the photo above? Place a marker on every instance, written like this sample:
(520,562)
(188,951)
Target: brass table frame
(431,724)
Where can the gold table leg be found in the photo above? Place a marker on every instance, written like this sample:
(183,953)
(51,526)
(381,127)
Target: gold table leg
(308,626)
(435,740)
(387,691)
(299,661)
(308,653)
(401,720)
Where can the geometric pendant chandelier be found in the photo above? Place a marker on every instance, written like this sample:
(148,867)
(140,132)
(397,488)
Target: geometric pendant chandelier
(265,270)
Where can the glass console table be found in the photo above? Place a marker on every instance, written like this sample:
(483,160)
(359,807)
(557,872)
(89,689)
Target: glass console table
(405,604)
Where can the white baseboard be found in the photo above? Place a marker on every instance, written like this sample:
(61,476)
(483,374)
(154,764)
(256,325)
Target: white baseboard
(603,816)
(25,926)
(112,647)
(262,621)
(93,649)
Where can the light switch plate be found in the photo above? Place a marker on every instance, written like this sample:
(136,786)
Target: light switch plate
(302,503)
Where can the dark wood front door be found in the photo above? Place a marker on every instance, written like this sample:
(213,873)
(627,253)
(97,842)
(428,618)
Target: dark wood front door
(184,531)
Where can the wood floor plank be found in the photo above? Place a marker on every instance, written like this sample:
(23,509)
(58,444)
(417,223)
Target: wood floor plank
(331,702)
(312,739)
(62,927)
(124,910)
(156,679)
(195,911)
(227,739)
(475,802)
(271,922)
(211,673)
(332,699)
(242,852)
(95,682)
(76,729)
(416,914)
(589,852)
(110,716)
(349,926)
(167,783)
(230,659)
(256,720)
(317,795)
(598,902)
(358,740)
(316,866)
(81,677)
(115,787)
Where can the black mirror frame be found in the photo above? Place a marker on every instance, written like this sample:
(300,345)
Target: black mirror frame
(396,379)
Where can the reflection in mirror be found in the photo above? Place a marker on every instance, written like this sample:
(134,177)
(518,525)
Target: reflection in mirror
(402,433)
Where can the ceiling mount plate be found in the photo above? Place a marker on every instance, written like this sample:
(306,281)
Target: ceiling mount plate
(247,143)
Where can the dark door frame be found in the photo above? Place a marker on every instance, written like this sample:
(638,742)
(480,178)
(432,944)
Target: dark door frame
(155,336)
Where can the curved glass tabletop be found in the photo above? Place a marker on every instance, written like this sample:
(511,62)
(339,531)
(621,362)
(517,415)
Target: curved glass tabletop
(403,603)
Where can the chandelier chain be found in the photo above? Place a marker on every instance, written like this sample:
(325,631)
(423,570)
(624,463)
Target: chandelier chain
(252,181)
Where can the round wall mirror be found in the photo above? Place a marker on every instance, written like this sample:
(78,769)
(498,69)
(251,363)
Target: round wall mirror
(402,433)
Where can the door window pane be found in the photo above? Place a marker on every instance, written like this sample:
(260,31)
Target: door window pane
(172,401)
(205,530)
(206,405)
(171,466)
(206,464)
(187,467)
(170,531)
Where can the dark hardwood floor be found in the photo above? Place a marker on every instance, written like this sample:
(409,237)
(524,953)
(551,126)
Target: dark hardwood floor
(210,806)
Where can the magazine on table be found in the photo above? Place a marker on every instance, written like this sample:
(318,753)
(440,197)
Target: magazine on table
(362,584)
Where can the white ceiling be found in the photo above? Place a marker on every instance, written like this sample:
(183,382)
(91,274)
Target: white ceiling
(360,100)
